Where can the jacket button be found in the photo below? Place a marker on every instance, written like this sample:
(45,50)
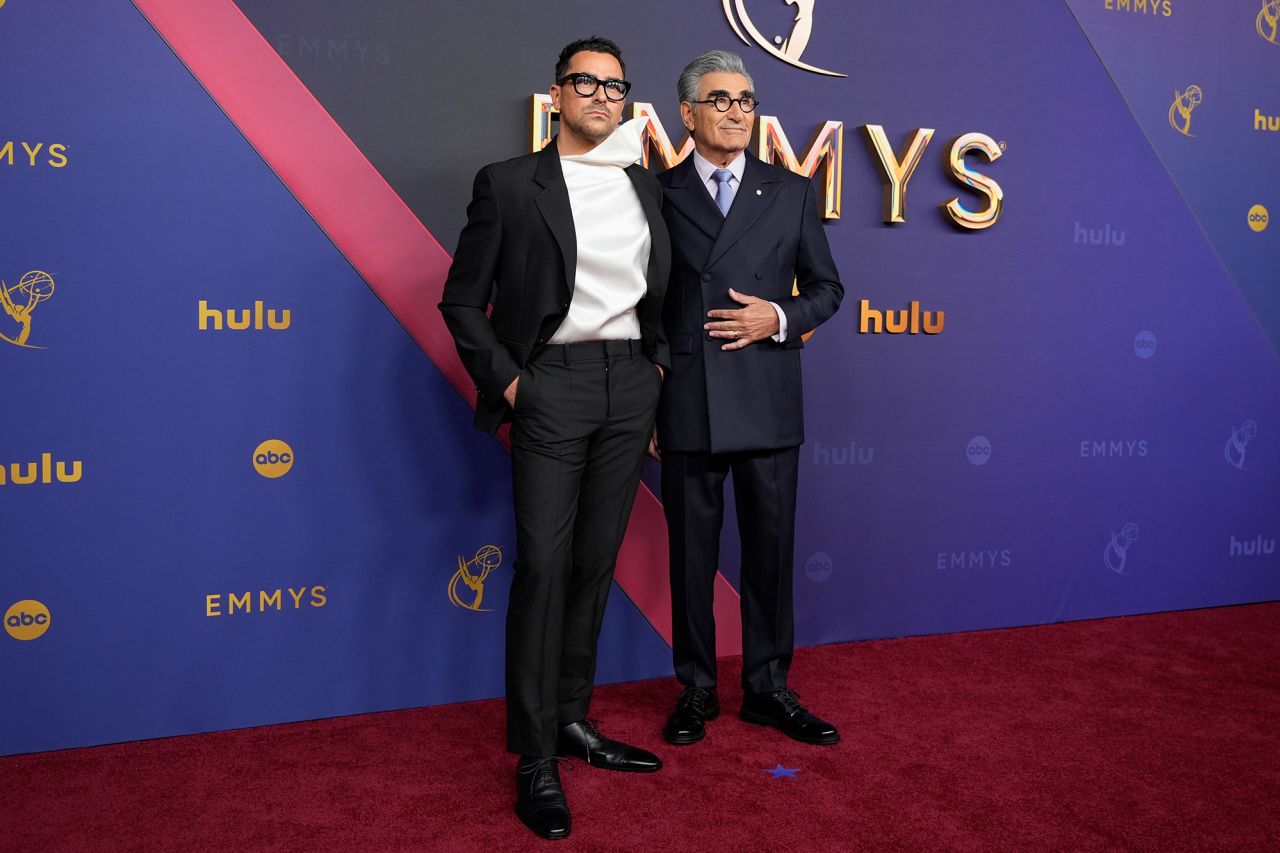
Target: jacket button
(541,341)
(706,276)
(759,276)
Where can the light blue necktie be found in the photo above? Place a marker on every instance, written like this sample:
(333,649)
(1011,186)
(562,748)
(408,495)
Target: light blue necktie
(724,192)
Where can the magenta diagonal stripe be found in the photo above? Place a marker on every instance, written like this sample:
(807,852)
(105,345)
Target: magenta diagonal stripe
(380,236)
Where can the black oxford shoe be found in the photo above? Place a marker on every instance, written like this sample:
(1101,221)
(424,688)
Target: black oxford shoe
(782,710)
(687,724)
(540,801)
(583,740)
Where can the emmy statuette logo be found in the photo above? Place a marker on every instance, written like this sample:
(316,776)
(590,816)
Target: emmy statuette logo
(1268,21)
(466,587)
(27,619)
(1180,109)
(1116,554)
(789,48)
(1238,443)
(20,301)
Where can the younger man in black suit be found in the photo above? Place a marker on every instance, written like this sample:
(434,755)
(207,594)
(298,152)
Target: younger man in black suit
(571,244)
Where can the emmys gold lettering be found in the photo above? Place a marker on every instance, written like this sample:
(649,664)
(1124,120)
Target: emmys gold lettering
(1151,8)
(30,154)
(42,471)
(248,318)
(896,170)
(229,604)
(909,320)
(823,160)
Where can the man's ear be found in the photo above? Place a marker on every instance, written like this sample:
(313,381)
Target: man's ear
(686,115)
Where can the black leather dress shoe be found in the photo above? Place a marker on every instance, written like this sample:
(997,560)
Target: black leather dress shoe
(583,740)
(686,724)
(782,710)
(540,801)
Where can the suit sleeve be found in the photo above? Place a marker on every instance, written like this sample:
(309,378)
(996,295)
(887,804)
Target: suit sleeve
(817,278)
(468,288)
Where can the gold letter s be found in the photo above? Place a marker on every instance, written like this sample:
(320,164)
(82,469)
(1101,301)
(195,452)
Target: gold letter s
(956,212)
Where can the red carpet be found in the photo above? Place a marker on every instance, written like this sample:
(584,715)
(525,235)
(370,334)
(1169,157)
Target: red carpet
(1145,733)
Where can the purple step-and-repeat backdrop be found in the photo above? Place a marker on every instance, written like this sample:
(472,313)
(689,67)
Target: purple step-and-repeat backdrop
(234,491)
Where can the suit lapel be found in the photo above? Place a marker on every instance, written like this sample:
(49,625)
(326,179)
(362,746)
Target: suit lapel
(553,204)
(691,198)
(755,194)
(652,215)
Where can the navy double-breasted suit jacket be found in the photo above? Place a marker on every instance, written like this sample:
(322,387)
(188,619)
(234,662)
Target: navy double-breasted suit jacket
(749,399)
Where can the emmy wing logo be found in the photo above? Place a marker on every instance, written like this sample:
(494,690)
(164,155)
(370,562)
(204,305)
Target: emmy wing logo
(20,301)
(1180,109)
(789,48)
(1268,20)
(468,581)
(1117,550)
(1238,443)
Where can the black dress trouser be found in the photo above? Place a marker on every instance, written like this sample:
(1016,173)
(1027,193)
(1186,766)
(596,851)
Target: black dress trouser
(583,418)
(764,489)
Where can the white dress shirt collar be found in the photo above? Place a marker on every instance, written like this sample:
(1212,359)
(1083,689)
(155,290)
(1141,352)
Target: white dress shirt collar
(706,170)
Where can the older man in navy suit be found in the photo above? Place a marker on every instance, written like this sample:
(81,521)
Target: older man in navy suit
(742,232)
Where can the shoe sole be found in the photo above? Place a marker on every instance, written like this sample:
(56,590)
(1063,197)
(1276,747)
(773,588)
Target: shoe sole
(625,769)
(686,741)
(759,720)
(547,836)
(618,768)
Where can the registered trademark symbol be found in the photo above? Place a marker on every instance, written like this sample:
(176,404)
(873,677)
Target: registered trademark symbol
(1003,145)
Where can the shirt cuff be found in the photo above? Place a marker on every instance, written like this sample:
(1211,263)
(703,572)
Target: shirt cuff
(782,324)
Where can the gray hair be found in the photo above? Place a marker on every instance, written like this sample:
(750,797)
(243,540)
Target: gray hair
(709,63)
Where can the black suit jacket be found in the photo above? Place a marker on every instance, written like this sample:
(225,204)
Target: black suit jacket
(519,252)
(749,399)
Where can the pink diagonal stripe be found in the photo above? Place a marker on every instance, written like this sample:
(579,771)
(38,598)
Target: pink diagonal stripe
(371,225)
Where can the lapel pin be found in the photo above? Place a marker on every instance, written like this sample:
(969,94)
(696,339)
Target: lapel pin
(759,192)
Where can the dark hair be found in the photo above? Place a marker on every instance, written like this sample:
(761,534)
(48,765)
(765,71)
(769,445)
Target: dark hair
(595,44)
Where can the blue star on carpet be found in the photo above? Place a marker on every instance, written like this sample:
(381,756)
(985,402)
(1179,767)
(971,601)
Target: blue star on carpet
(781,772)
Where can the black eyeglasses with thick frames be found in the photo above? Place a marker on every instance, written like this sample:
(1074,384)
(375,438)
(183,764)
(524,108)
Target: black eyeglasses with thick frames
(722,103)
(586,85)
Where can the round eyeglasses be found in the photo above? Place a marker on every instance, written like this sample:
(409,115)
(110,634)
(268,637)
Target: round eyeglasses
(586,85)
(722,103)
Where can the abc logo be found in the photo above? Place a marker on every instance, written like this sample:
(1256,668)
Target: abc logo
(1144,344)
(1258,218)
(273,458)
(818,566)
(27,620)
(978,451)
